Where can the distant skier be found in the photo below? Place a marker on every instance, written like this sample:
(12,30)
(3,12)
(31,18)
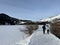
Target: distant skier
(44,28)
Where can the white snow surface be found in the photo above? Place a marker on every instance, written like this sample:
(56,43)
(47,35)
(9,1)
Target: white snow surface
(38,38)
(51,18)
(10,34)
(44,39)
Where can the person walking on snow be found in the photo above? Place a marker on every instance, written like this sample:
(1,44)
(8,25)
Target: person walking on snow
(44,28)
(48,28)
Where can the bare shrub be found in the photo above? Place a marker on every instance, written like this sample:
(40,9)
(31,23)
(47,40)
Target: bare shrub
(55,29)
(30,29)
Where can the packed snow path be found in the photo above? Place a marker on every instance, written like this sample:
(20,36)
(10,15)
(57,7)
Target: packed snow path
(44,39)
(38,38)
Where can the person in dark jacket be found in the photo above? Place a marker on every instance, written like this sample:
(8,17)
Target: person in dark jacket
(44,28)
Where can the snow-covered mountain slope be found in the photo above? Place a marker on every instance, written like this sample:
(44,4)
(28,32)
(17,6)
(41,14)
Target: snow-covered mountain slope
(38,38)
(51,18)
(10,34)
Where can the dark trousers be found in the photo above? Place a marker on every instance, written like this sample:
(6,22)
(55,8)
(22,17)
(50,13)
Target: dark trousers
(43,31)
(47,31)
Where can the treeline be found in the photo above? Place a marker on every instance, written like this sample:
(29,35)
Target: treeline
(7,20)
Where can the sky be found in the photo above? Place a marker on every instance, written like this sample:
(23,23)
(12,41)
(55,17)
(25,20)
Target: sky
(30,9)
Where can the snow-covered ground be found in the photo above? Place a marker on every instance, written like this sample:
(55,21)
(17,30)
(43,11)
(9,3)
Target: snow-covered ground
(11,35)
(41,39)
(38,38)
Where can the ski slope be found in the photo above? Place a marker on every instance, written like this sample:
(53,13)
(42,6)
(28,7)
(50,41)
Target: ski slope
(38,38)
